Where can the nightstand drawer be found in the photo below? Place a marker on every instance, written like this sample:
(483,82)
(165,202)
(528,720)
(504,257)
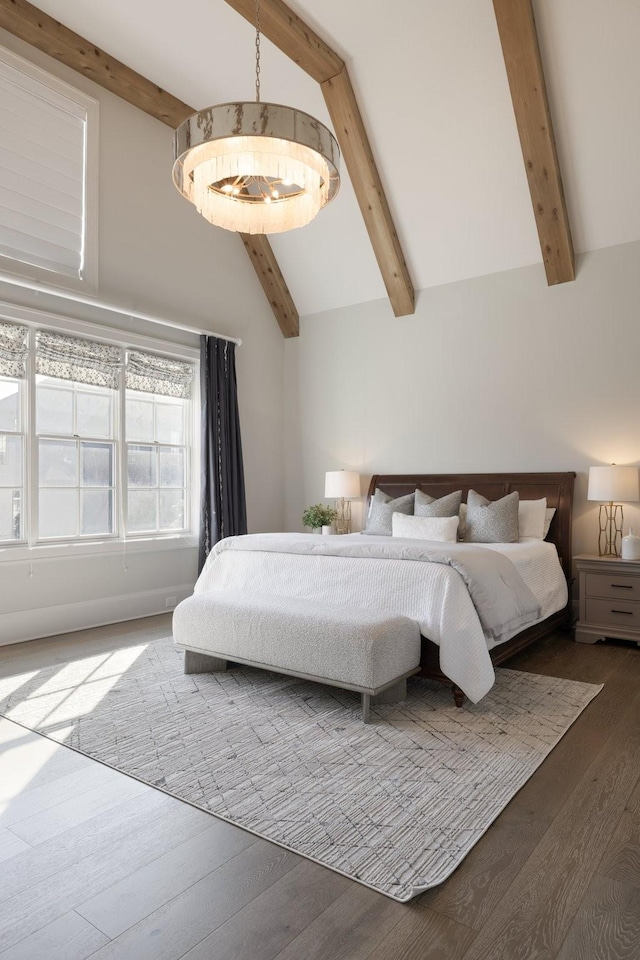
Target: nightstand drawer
(614,586)
(619,613)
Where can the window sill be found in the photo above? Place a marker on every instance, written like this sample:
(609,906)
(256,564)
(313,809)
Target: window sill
(52,551)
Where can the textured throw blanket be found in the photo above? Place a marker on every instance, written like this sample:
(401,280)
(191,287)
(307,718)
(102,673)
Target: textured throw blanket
(504,603)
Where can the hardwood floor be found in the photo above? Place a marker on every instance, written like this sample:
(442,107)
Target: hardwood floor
(95,864)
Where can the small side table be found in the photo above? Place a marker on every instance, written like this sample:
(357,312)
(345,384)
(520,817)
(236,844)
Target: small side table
(609,599)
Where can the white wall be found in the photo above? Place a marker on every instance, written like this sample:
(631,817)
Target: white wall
(158,256)
(496,373)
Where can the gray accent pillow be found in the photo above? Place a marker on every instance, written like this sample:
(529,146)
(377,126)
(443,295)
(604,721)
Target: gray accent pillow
(492,521)
(380,519)
(447,506)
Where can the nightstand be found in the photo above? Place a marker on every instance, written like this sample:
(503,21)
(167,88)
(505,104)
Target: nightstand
(609,599)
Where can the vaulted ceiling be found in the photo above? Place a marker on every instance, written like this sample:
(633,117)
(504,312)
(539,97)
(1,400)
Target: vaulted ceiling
(430,81)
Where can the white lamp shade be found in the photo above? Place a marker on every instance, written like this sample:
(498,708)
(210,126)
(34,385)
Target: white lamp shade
(613,484)
(341,483)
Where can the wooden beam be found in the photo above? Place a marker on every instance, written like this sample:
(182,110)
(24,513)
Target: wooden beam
(299,42)
(519,39)
(264,262)
(40,30)
(290,34)
(354,143)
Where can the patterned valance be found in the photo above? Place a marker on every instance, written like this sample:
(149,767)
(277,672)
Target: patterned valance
(152,374)
(13,350)
(72,358)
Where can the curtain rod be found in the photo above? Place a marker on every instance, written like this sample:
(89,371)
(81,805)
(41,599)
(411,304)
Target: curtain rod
(38,287)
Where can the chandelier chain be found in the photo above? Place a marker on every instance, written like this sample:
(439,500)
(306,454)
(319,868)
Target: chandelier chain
(257,51)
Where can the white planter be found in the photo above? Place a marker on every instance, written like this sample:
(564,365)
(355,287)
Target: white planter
(327,529)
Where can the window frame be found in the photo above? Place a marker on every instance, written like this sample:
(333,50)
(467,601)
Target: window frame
(79,440)
(87,281)
(33,544)
(22,432)
(188,446)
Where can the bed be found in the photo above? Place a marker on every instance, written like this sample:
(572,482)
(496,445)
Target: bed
(389,574)
(558,490)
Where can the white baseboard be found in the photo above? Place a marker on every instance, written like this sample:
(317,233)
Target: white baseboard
(68,617)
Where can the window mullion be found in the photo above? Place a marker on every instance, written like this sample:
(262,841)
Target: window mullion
(31,477)
(157,456)
(188,464)
(122,494)
(79,459)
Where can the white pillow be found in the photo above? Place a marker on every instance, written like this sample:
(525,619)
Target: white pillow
(462,524)
(548,517)
(531,517)
(442,529)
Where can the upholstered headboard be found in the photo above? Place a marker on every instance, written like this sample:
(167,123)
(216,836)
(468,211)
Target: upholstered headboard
(556,487)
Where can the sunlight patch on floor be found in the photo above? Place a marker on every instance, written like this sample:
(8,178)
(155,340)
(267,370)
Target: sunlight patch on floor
(9,685)
(77,688)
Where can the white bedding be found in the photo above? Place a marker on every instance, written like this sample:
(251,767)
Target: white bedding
(432,594)
(537,563)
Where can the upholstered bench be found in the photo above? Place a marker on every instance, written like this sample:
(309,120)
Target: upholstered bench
(369,651)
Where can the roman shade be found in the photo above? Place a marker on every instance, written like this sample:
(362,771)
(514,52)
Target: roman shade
(42,170)
(74,358)
(161,375)
(13,350)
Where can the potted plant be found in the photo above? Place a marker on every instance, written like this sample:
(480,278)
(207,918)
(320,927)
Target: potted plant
(319,515)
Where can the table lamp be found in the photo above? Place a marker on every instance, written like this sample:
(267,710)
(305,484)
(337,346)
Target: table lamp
(342,484)
(608,485)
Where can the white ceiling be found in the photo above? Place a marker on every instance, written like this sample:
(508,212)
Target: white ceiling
(431,85)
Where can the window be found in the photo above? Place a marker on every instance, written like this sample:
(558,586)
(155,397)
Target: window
(76,459)
(11,460)
(13,371)
(107,444)
(48,176)
(156,434)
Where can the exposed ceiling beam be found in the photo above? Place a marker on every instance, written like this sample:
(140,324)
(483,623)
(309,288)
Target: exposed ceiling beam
(519,39)
(299,42)
(354,143)
(263,259)
(40,30)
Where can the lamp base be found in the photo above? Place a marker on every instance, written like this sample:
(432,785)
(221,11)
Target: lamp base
(610,518)
(343,518)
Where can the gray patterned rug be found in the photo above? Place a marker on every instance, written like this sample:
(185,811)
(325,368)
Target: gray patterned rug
(396,804)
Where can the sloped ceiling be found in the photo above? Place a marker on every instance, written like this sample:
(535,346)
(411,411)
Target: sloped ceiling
(431,85)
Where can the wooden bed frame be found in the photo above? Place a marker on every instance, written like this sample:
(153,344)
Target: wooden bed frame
(556,487)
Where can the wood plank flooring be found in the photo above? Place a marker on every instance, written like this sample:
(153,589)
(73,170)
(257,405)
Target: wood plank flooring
(95,864)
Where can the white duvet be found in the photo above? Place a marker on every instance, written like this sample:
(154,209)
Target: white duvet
(433,594)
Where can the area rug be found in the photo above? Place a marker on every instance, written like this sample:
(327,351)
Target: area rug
(395,804)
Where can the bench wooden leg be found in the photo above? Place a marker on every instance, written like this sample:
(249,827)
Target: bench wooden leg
(201,663)
(458,696)
(392,694)
(366,707)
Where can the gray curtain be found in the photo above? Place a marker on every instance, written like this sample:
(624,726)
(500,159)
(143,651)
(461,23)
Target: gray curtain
(223,507)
